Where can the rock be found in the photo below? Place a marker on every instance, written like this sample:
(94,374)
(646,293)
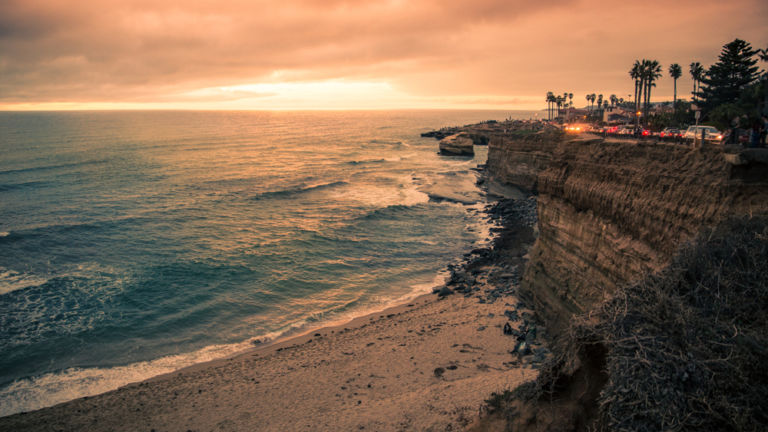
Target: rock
(444,291)
(507,329)
(439,372)
(457,145)
(522,348)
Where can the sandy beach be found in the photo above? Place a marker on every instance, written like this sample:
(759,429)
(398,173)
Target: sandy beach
(425,365)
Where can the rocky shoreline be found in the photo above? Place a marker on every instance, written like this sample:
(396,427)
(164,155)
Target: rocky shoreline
(493,274)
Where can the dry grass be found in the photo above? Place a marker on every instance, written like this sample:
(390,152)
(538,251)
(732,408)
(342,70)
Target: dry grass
(682,350)
(687,348)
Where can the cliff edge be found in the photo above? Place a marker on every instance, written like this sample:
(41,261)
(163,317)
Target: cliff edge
(613,215)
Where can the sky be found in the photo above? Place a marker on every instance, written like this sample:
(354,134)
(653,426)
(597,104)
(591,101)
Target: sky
(363,54)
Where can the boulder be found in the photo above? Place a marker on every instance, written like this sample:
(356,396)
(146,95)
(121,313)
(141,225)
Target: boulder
(457,145)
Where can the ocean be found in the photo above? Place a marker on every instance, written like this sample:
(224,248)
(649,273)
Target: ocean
(136,243)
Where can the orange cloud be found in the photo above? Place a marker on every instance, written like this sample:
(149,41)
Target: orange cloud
(146,51)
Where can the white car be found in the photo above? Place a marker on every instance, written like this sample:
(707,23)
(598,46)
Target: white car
(695,132)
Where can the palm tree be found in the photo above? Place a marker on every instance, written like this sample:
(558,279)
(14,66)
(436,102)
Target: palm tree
(592,98)
(652,72)
(675,71)
(697,72)
(636,73)
(600,104)
(550,102)
(614,100)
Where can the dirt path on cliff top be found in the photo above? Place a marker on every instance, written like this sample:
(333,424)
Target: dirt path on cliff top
(380,373)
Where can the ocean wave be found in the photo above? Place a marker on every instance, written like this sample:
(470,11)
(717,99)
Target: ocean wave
(298,190)
(4,234)
(16,186)
(53,167)
(385,141)
(50,389)
(11,280)
(404,194)
(367,161)
(85,226)
(375,161)
(454,198)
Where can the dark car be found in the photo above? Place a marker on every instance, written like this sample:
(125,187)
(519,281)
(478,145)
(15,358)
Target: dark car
(670,132)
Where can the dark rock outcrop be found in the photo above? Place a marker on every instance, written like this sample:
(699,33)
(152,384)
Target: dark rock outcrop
(457,145)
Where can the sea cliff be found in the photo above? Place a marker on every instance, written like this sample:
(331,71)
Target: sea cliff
(612,213)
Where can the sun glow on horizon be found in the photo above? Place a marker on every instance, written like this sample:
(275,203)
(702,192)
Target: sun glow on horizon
(330,94)
(282,96)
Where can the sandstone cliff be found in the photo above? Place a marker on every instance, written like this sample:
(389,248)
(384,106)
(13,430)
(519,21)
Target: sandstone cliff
(676,342)
(611,211)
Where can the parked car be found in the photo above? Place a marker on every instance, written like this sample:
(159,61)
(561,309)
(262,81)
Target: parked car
(626,130)
(629,130)
(576,128)
(710,133)
(670,133)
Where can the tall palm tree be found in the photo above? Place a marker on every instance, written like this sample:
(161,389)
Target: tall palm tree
(636,73)
(697,72)
(600,104)
(675,71)
(652,72)
(550,102)
(614,100)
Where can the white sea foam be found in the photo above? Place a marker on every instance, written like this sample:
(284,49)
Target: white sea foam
(53,388)
(405,194)
(4,233)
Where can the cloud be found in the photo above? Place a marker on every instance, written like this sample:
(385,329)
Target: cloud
(120,49)
(142,50)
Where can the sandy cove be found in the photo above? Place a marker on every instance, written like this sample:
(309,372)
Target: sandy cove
(425,365)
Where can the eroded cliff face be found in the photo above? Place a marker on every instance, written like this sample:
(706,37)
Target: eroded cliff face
(517,158)
(611,211)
